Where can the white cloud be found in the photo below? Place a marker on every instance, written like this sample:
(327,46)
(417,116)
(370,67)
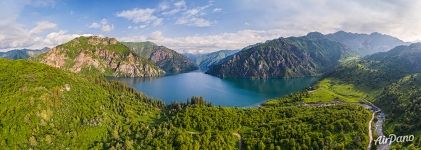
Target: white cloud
(56,38)
(217,9)
(177,7)
(103,25)
(209,43)
(194,17)
(141,16)
(43,26)
(394,17)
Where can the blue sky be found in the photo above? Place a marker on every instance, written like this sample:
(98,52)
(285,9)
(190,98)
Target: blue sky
(199,25)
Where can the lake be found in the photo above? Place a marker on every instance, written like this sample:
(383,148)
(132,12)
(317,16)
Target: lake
(224,92)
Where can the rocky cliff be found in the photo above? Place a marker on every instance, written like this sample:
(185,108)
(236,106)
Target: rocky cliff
(165,58)
(309,55)
(98,55)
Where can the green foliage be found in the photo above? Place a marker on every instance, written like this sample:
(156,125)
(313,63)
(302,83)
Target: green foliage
(309,55)
(43,107)
(402,102)
(167,59)
(330,89)
(283,127)
(87,44)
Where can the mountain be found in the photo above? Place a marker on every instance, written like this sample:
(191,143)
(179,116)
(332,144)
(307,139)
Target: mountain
(48,108)
(366,44)
(392,81)
(402,102)
(381,69)
(308,55)
(23,53)
(98,55)
(204,61)
(43,107)
(167,59)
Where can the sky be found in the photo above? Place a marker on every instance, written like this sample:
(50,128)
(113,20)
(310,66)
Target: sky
(199,26)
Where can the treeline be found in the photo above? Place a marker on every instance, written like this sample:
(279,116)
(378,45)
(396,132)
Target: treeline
(201,126)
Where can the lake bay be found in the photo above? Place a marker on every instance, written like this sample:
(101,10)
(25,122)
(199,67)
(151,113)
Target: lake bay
(224,92)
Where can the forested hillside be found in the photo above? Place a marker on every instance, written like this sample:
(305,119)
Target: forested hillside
(47,108)
(308,55)
(167,59)
(44,107)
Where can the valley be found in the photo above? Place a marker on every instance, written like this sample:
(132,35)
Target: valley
(287,93)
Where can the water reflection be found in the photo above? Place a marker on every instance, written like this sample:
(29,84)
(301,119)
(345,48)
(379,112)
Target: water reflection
(226,92)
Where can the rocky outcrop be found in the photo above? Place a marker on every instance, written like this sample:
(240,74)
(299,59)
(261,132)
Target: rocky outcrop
(97,55)
(167,59)
(284,57)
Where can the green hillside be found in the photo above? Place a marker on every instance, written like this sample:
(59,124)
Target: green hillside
(47,108)
(308,55)
(44,107)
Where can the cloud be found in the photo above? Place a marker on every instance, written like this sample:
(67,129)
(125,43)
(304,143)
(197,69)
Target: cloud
(394,17)
(55,38)
(43,26)
(177,7)
(217,10)
(209,43)
(194,17)
(141,16)
(103,25)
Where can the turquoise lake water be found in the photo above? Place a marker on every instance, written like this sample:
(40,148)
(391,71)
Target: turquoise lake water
(224,92)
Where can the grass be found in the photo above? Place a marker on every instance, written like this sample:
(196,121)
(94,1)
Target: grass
(330,89)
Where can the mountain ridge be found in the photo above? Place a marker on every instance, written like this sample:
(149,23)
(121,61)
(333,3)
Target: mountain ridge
(308,55)
(99,55)
(167,59)
(366,44)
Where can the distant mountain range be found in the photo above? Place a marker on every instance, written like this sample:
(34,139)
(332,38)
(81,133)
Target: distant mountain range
(99,56)
(23,53)
(366,44)
(204,61)
(167,59)
(309,55)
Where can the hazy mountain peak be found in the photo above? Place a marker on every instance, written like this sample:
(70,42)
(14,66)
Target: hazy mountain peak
(315,35)
(366,44)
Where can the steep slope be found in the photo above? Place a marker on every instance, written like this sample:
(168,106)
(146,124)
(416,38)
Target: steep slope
(392,81)
(167,59)
(23,53)
(380,69)
(42,107)
(97,55)
(402,102)
(366,44)
(48,108)
(204,61)
(284,57)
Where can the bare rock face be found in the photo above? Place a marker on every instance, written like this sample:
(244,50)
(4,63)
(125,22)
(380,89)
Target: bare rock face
(309,55)
(97,55)
(165,58)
